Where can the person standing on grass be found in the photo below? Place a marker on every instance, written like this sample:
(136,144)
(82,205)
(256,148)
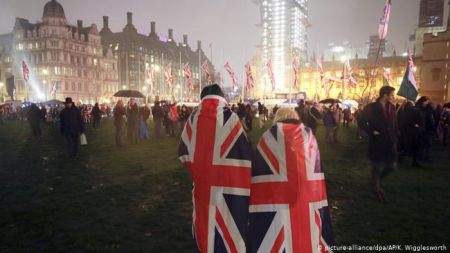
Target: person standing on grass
(444,123)
(347,117)
(158,118)
(34,118)
(119,121)
(289,209)
(132,121)
(261,112)
(381,127)
(96,115)
(329,121)
(144,115)
(217,153)
(71,126)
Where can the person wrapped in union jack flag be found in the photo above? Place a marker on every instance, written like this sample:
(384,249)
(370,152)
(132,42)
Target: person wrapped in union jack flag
(288,203)
(215,149)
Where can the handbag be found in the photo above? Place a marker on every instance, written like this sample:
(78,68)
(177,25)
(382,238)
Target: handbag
(83,140)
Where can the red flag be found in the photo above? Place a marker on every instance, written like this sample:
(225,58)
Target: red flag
(232,75)
(169,77)
(250,83)
(384,21)
(205,68)
(271,75)
(295,70)
(188,75)
(25,71)
(151,78)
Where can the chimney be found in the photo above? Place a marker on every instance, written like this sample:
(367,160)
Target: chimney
(170,34)
(152,27)
(185,40)
(129,18)
(105,22)
(79,24)
(199,45)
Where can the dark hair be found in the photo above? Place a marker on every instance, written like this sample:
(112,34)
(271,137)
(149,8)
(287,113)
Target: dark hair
(386,90)
(213,89)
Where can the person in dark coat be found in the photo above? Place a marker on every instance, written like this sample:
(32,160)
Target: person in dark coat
(158,118)
(71,126)
(34,118)
(144,115)
(381,127)
(183,116)
(444,123)
(132,121)
(430,131)
(248,117)
(347,117)
(301,110)
(119,121)
(96,115)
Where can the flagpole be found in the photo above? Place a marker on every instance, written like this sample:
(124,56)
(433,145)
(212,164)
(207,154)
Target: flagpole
(181,80)
(162,75)
(199,72)
(243,84)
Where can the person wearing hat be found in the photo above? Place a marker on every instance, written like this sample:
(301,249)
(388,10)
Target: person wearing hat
(217,153)
(71,126)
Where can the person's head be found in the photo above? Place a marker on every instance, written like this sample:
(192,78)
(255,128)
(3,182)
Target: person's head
(132,101)
(119,103)
(96,104)
(68,103)
(423,101)
(285,113)
(387,94)
(213,89)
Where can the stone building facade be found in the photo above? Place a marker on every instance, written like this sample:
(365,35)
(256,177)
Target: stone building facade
(72,57)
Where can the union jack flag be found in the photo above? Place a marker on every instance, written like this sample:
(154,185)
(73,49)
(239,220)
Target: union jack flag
(384,21)
(151,79)
(248,72)
(25,71)
(288,203)
(271,75)
(53,89)
(351,80)
(188,75)
(215,149)
(169,76)
(232,75)
(295,72)
(205,68)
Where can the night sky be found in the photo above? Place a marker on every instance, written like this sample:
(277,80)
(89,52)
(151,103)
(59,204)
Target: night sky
(229,24)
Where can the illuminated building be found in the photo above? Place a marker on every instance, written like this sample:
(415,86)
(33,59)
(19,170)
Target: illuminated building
(284,34)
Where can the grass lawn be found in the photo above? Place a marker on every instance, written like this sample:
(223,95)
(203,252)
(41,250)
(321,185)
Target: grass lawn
(138,198)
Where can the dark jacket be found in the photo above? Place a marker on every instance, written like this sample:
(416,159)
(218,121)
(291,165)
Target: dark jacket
(96,112)
(71,121)
(132,115)
(34,116)
(382,147)
(158,112)
(119,112)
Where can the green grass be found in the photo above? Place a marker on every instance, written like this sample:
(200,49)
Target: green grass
(138,198)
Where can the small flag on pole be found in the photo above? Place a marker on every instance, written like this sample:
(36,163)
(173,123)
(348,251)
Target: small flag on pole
(295,72)
(169,76)
(384,21)
(271,75)
(387,77)
(25,71)
(408,88)
(232,75)
(205,68)
(151,79)
(188,75)
(351,80)
(250,82)
(53,89)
